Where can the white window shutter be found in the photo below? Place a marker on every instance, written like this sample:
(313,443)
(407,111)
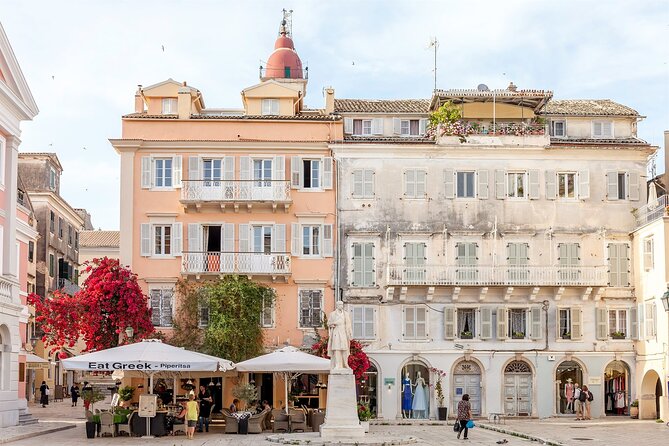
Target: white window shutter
(596,129)
(534,184)
(145,234)
(500,184)
(369,278)
(612,249)
(177,237)
(348,126)
(228,237)
(327,172)
(357,264)
(502,320)
(279,238)
(624,264)
(421,323)
(482,177)
(195,237)
(422,127)
(551,185)
(421,180)
(410,183)
(358,176)
(607,129)
(146,172)
(327,241)
(296,239)
(193,168)
(576,324)
(449,183)
(176,163)
(228,168)
(368,320)
(486,323)
(368,183)
(633,185)
(397,126)
(296,172)
(357,321)
(449,322)
(602,323)
(377,126)
(584,184)
(244,238)
(279,168)
(612,185)
(535,323)
(409,322)
(634,323)
(244,168)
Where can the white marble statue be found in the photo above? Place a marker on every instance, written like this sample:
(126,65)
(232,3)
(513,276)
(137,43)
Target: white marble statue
(339,342)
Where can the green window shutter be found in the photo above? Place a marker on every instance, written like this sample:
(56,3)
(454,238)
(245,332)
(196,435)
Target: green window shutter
(449,322)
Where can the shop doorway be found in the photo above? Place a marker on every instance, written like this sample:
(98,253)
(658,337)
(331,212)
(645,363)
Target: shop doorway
(651,392)
(616,388)
(518,389)
(567,375)
(367,389)
(467,379)
(415,397)
(267,388)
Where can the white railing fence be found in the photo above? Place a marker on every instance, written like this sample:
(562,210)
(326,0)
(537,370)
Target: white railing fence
(235,262)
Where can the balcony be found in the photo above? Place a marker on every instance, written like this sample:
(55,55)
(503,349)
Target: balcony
(470,133)
(5,290)
(652,211)
(236,193)
(501,275)
(251,263)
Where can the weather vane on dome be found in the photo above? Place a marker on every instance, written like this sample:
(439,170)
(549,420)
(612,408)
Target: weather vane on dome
(287,23)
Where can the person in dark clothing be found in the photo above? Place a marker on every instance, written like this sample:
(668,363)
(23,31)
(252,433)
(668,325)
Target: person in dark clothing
(464,415)
(74,393)
(44,394)
(204,396)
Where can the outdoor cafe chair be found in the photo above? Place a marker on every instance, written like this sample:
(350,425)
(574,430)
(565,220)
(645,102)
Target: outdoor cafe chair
(257,422)
(107,424)
(124,428)
(298,420)
(281,421)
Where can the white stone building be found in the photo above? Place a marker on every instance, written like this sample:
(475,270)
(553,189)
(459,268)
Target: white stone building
(501,257)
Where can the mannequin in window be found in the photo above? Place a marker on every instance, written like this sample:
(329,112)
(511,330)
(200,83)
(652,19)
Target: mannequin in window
(407,396)
(569,395)
(419,405)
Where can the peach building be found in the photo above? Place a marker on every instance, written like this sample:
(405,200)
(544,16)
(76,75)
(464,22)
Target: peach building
(16,105)
(208,192)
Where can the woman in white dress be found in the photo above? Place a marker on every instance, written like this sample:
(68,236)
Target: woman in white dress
(419,405)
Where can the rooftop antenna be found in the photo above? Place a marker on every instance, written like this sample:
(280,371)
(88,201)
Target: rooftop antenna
(434,43)
(287,22)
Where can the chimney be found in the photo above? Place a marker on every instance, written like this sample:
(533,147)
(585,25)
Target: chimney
(139,100)
(512,87)
(184,102)
(329,100)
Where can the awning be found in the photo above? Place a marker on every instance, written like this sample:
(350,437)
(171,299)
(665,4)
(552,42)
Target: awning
(35,362)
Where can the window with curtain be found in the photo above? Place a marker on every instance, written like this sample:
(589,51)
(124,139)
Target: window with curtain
(466,323)
(517,323)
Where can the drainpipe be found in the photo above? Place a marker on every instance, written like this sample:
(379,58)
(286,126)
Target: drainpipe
(338,294)
(544,306)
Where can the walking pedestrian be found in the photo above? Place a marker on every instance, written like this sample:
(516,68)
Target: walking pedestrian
(192,414)
(587,402)
(464,415)
(74,393)
(44,394)
(578,406)
(204,396)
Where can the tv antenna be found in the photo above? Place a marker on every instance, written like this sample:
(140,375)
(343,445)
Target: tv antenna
(287,22)
(434,43)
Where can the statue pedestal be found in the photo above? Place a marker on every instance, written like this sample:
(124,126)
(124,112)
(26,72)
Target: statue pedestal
(341,413)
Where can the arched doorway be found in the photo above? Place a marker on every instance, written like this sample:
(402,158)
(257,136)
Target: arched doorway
(567,375)
(415,377)
(651,392)
(367,388)
(616,388)
(467,379)
(5,357)
(518,389)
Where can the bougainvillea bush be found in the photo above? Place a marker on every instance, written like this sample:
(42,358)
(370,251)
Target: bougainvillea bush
(109,302)
(357,360)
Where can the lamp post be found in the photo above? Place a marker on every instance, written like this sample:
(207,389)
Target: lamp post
(129,332)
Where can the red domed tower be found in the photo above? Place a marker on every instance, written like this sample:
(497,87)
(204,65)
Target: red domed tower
(284,63)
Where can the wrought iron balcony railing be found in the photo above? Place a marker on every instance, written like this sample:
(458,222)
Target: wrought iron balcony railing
(235,263)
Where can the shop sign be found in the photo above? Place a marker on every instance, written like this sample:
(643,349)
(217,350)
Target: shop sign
(388,381)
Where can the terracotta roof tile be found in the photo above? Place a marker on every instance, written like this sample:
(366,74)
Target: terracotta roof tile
(107,239)
(588,107)
(388,139)
(381,105)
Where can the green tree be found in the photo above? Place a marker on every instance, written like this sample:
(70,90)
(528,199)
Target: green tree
(447,113)
(222,318)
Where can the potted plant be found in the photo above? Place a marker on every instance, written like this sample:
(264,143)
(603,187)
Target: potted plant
(618,335)
(126,393)
(566,335)
(247,393)
(442,411)
(518,335)
(466,335)
(634,409)
(364,415)
(91,396)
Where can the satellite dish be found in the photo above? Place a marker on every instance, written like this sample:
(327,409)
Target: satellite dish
(482,87)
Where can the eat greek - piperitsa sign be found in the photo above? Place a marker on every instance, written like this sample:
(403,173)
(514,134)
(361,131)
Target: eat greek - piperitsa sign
(138,366)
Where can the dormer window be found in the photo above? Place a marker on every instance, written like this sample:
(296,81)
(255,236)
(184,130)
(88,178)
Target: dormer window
(169,106)
(602,129)
(409,127)
(362,126)
(558,129)
(270,107)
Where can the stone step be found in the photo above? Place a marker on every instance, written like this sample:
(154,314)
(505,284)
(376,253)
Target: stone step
(26,418)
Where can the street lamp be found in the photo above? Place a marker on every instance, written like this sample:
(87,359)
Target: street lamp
(665,299)
(129,332)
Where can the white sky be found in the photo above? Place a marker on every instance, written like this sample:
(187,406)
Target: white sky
(83,60)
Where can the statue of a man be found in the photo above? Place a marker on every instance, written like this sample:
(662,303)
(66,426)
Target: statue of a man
(339,342)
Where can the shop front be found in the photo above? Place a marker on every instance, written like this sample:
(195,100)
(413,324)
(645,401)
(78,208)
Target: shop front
(616,388)
(568,375)
(415,390)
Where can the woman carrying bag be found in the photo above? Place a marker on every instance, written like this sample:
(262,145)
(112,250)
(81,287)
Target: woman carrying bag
(464,415)
(44,394)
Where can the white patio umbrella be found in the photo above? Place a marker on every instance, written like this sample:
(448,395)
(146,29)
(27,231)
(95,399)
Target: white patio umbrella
(289,361)
(652,196)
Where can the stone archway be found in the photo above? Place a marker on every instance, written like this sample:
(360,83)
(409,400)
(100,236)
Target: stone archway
(467,380)
(518,388)
(651,392)
(5,357)
(415,373)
